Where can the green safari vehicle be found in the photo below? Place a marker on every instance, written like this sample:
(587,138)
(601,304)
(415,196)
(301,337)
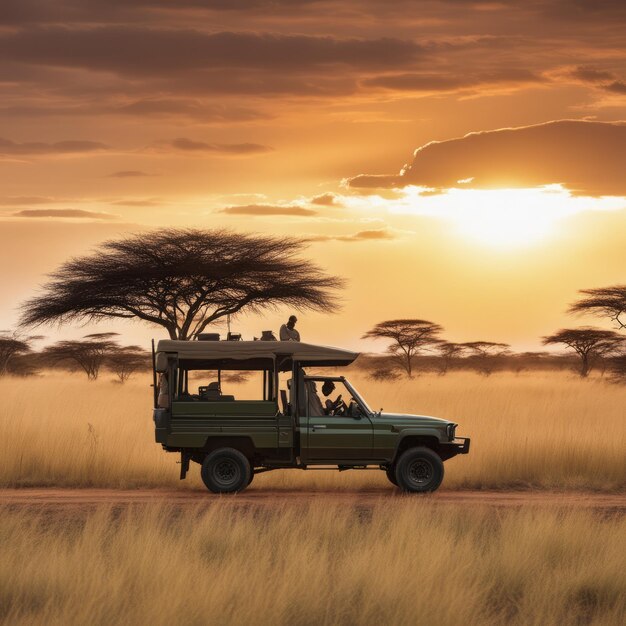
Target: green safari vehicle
(294,417)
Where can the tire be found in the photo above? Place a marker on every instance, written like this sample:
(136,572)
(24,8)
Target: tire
(419,470)
(391,475)
(226,470)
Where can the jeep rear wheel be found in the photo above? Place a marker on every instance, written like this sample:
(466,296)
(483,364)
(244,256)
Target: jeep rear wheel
(226,470)
(419,470)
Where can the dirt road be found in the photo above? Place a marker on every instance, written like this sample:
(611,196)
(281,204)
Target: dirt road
(87,498)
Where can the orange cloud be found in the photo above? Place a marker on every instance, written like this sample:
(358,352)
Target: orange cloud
(183,144)
(378,234)
(38,148)
(64,213)
(325,199)
(266,209)
(129,174)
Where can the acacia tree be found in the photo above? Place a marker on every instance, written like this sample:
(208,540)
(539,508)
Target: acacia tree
(89,354)
(605,301)
(13,345)
(408,336)
(182,280)
(588,343)
(449,351)
(126,360)
(484,354)
(617,366)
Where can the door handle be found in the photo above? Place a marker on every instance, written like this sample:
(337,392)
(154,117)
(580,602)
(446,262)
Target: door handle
(318,426)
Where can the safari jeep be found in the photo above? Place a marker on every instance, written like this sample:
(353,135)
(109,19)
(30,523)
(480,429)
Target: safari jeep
(294,417)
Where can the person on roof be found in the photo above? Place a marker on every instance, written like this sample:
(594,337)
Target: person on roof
(288,331)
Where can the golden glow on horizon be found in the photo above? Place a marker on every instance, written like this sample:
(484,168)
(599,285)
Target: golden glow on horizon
(502,218)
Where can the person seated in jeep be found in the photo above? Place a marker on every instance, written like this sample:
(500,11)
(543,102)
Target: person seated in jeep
(314,404)
(332,407)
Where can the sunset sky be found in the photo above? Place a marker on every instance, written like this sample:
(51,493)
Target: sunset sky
(461,162)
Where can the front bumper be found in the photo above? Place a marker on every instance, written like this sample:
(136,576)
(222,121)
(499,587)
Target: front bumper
(462,448)
(460,445)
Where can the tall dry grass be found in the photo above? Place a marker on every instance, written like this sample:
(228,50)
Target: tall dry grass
(419,563)
(548,430)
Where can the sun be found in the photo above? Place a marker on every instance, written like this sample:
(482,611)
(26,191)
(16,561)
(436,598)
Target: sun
(505,218)
(502,218)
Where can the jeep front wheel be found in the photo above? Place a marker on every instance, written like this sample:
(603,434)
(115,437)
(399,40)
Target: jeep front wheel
(391,475)
(226,470)
(419,470)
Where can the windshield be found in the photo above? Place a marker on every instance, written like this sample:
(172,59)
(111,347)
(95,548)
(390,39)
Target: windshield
(331,396)
(359,397)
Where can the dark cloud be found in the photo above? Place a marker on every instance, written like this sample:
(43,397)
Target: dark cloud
(108,105)
(70,11)
(430,82)
(602,79)
(377,234)
(21,12)
(617,86)
(137,51)
(64,213)
(587,157)
(591,74)
(267,209)
(34,148)
(129,174)
(191,146)
(191,108)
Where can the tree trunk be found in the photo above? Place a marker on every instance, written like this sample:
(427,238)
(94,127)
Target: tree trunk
(584,366)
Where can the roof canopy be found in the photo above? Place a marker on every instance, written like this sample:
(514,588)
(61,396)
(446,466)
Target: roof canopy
(250,354)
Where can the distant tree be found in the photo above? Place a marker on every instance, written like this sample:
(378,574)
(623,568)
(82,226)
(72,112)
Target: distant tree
(484,354)
(587,343)
(236,378)
(382,374)
(617,367)
(89,353)
(13,345)
(182,280)
(449,352)
(408,337)
(523,360)
(606,301)
(126,360)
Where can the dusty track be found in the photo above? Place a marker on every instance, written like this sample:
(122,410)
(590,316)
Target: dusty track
(88,498)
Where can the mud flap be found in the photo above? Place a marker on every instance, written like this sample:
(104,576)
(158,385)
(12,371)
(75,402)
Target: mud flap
(184,464)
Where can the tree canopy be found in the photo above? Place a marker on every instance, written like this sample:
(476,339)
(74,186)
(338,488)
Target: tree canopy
(483,353)
(408,337)
(89,354)
(12,345)
(182,280)
(587,343)
(606,301)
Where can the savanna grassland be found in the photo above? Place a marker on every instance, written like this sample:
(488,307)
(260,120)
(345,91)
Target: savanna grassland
(394,560)
(541,430)
(415,563)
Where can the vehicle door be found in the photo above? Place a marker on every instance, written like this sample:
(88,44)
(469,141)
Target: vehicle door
(334,434)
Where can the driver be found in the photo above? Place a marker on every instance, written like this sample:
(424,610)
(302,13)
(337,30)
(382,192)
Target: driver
(331,405)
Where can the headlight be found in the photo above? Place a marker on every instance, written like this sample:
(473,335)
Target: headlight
(451,428)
